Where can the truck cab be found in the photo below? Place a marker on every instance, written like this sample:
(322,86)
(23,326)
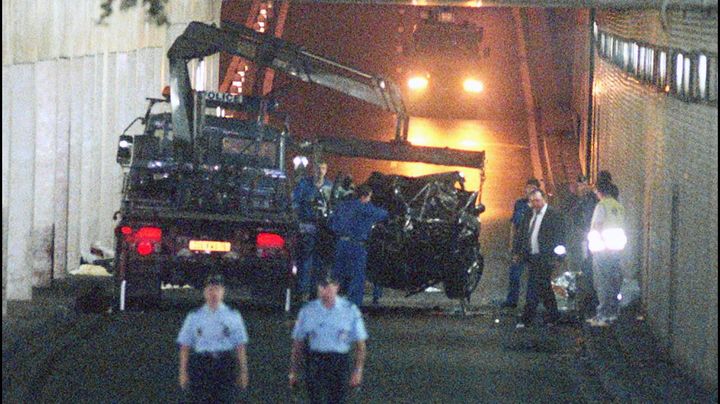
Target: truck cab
(445,75)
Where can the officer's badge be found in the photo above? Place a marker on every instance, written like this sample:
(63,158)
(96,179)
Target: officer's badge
(343,335)
(226,331)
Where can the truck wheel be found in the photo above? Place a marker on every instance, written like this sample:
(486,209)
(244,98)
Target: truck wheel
(140,293)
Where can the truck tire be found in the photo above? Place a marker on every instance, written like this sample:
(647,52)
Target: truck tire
(141,293)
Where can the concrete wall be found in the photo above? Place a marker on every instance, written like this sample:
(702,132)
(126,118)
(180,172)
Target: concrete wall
(70,87)
(669,187)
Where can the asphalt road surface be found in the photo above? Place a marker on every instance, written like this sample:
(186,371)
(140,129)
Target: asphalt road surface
(415,355)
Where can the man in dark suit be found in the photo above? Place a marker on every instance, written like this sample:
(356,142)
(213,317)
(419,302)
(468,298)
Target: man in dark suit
(539,241)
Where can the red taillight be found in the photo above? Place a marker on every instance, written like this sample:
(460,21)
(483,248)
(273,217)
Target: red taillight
(269,241)
(149,234)
(145,247)
(144,239)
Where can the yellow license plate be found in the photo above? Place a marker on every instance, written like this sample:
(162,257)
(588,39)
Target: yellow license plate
(204,245)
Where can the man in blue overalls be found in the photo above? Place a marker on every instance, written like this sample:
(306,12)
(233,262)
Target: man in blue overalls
(212,341)
(352,222)
(310,198)
(326,328)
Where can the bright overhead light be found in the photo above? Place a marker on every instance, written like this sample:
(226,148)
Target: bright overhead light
(418,83)
(473,86)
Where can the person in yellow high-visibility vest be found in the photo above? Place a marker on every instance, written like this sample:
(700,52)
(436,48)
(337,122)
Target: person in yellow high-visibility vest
(606,241)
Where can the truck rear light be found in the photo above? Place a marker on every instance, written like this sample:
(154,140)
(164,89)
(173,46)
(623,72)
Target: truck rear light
(269,244)
(145,240)
(145,247)
(149,234)
(269,241)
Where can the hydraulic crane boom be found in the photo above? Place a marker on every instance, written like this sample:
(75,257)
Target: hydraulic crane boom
(199,40)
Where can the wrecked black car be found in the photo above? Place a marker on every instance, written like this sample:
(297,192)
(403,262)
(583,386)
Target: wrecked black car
(431,236)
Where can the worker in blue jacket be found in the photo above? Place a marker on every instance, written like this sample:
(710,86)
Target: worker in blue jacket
(310,202)
(352,222)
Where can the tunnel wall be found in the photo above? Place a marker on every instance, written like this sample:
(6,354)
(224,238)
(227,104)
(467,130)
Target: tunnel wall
(70,86)
(663,153)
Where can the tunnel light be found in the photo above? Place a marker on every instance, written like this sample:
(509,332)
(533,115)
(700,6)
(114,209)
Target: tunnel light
(418,83)
(473,86)
(560,250)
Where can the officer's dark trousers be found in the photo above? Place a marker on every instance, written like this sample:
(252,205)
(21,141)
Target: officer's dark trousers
(212,379)
(327,377)
(540,270)
(349,268)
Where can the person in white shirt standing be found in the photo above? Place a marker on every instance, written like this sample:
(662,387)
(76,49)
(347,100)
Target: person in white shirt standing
(539,242)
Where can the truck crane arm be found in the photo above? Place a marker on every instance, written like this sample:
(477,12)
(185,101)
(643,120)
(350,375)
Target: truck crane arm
(199,40)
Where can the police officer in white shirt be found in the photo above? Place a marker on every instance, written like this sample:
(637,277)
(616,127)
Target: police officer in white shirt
(212,342)
(325,331)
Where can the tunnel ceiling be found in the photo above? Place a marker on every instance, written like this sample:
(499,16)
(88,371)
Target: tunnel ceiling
(611,4)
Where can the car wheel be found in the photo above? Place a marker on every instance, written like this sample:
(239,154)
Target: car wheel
(464,274)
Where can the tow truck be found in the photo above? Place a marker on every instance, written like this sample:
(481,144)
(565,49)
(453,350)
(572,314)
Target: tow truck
(205,184)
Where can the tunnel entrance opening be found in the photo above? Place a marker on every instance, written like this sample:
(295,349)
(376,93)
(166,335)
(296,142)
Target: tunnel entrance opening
(530,118)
